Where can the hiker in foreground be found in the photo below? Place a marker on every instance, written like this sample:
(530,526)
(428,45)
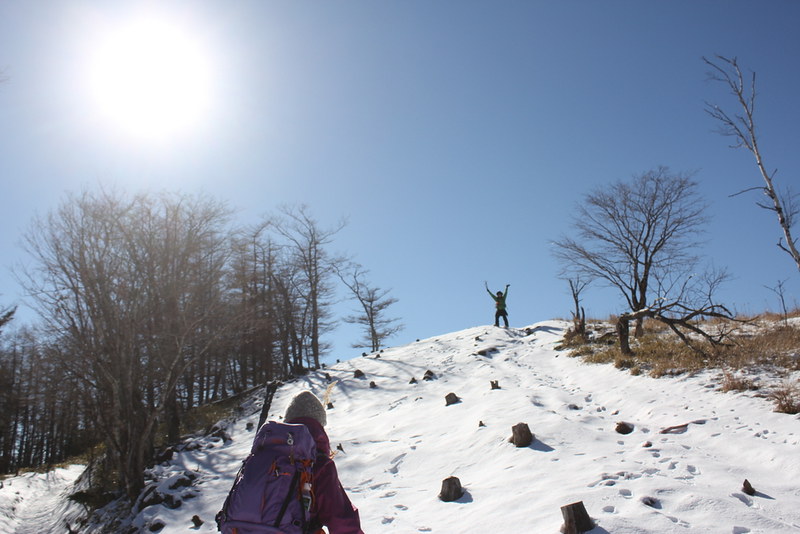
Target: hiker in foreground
(500,305)
(289,483)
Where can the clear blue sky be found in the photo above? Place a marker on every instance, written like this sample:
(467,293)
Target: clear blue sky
(455,136)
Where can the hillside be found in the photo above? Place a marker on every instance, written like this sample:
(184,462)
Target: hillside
(400,441)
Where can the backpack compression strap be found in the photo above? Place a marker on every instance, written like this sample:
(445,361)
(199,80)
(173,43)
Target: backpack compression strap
(288,499)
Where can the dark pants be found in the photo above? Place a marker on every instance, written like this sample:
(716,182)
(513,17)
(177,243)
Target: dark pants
(503,314)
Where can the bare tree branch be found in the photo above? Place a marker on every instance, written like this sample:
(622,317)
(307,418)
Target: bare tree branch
(742,128)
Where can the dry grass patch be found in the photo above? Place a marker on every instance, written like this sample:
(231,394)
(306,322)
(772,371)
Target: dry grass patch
(661,353)
(776,347)
(605,355)
(657,354)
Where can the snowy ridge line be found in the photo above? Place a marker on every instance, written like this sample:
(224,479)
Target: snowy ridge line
(396,442)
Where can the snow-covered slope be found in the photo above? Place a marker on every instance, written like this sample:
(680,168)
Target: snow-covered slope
(400,441)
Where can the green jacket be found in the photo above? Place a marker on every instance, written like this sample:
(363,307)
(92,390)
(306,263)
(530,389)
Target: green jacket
(499,302)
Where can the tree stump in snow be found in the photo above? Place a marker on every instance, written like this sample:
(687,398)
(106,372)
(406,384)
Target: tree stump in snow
(451,489)
(576,519)
(624,428)
(451,398)
(521,435)
(494,384)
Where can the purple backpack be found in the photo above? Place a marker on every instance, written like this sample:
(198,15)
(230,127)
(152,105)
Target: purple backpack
(272,492)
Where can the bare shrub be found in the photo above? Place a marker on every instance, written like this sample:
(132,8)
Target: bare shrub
(786,398)
(731,382)
(622,362)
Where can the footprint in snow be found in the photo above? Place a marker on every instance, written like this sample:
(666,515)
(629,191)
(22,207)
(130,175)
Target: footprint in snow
(678,521)
(396,464)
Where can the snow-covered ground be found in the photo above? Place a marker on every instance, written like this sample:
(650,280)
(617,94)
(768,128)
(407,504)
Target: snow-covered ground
(34,503)
(400,441)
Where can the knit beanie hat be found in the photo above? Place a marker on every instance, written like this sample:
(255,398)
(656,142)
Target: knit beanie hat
(305,404)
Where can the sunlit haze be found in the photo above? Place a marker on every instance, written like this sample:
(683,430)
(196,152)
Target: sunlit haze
(149,78)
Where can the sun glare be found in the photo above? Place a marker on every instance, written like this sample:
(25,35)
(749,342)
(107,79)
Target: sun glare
(150,79)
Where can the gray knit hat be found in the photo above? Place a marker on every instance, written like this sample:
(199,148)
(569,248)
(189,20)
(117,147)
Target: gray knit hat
(305,404)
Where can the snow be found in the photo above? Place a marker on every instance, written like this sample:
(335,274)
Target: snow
(37,502)
(400,441)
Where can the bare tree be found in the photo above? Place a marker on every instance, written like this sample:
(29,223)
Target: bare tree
(633,235)
(780,292)
(130,290)
(307,243)
(576,287)
(374,302)
(742,127)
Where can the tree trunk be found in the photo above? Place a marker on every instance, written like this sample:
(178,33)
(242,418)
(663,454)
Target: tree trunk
(623,332)
(639,329)
(172,417)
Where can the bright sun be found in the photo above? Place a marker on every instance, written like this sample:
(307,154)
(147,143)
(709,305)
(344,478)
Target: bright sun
(150,80)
